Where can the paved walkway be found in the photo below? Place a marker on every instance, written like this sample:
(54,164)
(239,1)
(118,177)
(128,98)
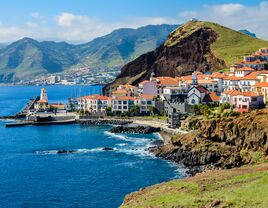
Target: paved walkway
(158,123)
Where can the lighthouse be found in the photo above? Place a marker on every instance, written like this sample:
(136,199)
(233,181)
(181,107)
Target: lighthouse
(43,95)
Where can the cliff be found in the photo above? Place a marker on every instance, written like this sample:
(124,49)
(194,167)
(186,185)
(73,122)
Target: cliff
(195,45)
(219,143)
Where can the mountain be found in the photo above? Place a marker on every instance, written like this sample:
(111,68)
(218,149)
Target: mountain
(28,58)
(196,45)
(248,33)
(123,45)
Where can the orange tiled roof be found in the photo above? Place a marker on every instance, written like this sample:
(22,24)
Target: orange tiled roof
(245,68)
(211,97)
(147,96)
(261,84)
(231,92)
(96,97)
(42,101)
(250,94)
(125,98)
(167,80)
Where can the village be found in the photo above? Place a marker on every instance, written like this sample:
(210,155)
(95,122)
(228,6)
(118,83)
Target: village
(243,88)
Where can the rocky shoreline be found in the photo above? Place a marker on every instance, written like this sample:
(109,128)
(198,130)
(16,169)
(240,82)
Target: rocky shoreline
(134,129)
(103,122)
(218,143)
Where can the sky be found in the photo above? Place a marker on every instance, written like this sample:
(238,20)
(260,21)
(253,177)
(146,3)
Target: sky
(78,21)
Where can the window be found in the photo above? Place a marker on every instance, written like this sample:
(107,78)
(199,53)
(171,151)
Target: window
(125,107)
(119,107)
(254,99)
(119,102)
(125,102)
(193,101)
(149,102)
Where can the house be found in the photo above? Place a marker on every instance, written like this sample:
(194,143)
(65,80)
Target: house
(228,96)
(262,89)
(125,90)
(145,102)
(149,87)
(211,98)
(257,65)
(243,71)
(196,94)
(240,83)
(94,103)
(242,101)
(247,100)
(123,104)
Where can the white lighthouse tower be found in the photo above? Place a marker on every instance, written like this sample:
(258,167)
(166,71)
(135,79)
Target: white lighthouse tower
(43,95)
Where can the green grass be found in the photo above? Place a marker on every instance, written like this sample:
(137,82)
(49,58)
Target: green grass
(244,187)
(230,45)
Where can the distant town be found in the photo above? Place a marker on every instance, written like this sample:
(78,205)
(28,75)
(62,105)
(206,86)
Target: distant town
(76,76)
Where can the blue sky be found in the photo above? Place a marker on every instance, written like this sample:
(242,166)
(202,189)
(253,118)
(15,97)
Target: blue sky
(83,20)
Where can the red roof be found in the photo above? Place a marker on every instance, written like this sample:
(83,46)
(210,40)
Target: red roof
(42,101)
(245,68)
(96,97)
(231,92)
(261,84)
(167,80)
(250,94)
(201,89)
(125,98)
(211,97)
(147,96)
(236,93)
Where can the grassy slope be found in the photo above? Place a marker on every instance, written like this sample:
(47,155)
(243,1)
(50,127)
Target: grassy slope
(230,44)
(241,187)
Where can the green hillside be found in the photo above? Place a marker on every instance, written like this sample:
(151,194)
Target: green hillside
(230,45)
(243,187)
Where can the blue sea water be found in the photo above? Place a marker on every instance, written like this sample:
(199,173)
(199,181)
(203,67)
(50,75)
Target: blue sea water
(33,175)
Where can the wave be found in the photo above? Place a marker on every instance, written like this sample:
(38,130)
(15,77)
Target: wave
(117,136)
(75,151)
(122,144)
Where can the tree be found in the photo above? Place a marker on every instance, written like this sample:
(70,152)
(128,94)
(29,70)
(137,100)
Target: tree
(151,110)
(135,110)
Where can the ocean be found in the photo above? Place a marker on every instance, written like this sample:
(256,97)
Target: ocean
(32,174)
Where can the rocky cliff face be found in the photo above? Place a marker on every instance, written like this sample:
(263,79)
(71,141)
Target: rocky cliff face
(220,143)
(187,49)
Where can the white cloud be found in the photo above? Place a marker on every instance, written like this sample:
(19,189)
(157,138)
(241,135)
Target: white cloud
(71,27)
(236,16)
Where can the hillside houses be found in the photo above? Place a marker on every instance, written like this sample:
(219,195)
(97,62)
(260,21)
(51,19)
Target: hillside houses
(244,87)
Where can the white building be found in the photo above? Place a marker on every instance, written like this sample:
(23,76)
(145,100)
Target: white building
(145,102)
(123,104)
(94,103)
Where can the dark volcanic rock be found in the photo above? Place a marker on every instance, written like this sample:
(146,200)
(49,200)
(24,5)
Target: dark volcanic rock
(63,151)
(135,129)
(104,122)
(107,148)
(219,143)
